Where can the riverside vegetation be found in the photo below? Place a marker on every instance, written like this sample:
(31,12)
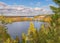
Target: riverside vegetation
(46,34)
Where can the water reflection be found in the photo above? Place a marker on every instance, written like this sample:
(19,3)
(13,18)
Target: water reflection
(17,28)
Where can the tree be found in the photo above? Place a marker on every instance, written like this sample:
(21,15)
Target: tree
(57,2)
(54,25)
(4,36)
(23,38)
(3,31)
(33,36)
(55,22)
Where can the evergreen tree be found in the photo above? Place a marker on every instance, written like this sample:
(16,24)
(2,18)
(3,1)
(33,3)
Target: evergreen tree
(56,16)
(52,33)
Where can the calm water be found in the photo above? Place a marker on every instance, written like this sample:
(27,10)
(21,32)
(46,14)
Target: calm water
(17,28)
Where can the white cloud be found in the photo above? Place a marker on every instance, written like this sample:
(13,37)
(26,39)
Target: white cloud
(2,4)
(36,8)
(21,10)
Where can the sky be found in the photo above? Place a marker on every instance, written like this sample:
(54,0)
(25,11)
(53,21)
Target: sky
(25,7)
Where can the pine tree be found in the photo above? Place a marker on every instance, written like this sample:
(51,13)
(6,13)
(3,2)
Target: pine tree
(52,33)
(56,16)
(54,26)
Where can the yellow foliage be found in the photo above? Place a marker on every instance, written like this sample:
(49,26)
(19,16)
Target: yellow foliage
(2,18)
(47,19)
(50,41)
(31,28)
(23,36)
(8,41)
(45,30)
(15,41)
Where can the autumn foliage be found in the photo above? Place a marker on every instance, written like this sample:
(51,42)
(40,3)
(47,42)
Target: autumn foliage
(49,34)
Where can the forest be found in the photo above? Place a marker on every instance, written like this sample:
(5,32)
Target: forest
(49,33)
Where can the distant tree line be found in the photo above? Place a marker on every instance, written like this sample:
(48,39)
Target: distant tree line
(49,34)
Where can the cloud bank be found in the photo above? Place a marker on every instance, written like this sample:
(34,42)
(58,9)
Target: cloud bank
(21,10)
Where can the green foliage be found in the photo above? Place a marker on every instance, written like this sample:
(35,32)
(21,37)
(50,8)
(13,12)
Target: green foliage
(57,1)
(4,36)
(32,34)
(49,34)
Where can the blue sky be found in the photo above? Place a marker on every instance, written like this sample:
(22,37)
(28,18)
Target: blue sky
(26,7)
(29,3)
